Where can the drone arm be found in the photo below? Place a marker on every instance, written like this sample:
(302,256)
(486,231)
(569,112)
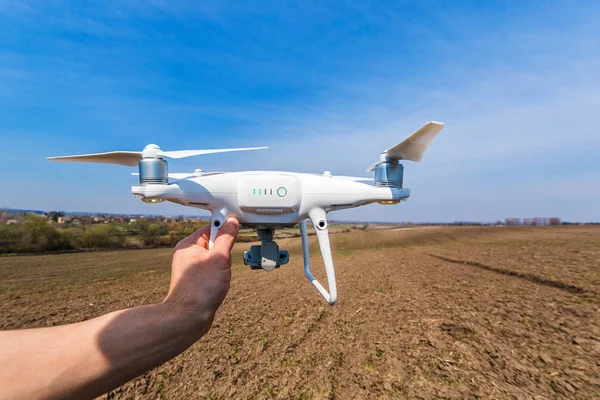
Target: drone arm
(318,218)
(216,222)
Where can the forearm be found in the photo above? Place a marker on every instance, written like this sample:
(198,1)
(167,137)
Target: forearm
(92,357)
(88,359)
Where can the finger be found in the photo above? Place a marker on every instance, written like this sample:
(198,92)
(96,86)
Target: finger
(227,235)
(202,240)
(199,237)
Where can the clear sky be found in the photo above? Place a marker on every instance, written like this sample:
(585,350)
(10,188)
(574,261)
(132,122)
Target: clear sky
(326,86)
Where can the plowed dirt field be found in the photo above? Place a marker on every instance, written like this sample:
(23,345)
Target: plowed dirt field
(423,313)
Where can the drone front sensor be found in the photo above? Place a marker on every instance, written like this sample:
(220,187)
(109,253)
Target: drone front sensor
(270,200)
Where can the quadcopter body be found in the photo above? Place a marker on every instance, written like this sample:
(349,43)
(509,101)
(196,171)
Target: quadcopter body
(270,200)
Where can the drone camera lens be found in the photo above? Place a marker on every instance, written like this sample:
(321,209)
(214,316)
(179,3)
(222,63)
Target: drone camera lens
(217,223)
(322,224)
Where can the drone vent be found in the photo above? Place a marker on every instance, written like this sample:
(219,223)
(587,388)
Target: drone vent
(155,181)
(269,211)
(390,184)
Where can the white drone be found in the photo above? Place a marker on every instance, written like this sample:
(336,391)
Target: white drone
(269,200)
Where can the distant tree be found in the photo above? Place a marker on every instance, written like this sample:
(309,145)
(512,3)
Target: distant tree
(53,215)
(152,233)
(101,237)
(177,232)
(39,235)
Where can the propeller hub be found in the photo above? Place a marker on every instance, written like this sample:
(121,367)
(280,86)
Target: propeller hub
(151,151)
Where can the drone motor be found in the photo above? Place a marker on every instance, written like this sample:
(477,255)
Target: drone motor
(153,171)
(389,174)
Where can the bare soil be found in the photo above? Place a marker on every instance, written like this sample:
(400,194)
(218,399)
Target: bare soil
(506,313)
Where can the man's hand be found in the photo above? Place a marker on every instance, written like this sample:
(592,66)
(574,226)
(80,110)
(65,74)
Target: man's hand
(200,277)
(86,359)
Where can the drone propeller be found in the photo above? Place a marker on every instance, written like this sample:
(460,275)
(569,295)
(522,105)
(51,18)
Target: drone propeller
(177,176)
(413,147)
(352,178)
(328,174)
(131,158)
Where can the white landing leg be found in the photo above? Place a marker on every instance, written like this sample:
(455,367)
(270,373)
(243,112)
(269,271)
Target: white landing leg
(319,220)
(217,221)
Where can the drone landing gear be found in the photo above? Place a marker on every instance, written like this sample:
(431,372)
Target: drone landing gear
(319,221)
(266,255)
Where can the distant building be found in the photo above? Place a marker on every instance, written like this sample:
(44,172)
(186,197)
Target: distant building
(513,221)
(64,220)
(537,221)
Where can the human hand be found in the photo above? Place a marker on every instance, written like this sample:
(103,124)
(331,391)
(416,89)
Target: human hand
(200,277)
(92,357)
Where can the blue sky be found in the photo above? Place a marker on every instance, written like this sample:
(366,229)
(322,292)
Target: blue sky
(326,86)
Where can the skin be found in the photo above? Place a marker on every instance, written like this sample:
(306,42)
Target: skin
(87,359)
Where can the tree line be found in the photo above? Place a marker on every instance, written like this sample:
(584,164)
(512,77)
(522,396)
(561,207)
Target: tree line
(40,234)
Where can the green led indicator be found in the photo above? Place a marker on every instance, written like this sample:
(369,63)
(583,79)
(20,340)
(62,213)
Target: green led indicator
(253,191)
(281,192)
(259,191)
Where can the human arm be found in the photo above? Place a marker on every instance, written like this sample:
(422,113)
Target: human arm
(86,359)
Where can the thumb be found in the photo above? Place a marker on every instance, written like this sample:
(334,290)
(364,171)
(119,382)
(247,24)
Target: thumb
(227,235)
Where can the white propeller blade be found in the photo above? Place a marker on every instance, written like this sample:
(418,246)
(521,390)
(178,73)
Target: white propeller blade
(348,178)
(190,153)
(352,178)
(128,158)
(413,147)
(131,158)
(184,175)
(179,175)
